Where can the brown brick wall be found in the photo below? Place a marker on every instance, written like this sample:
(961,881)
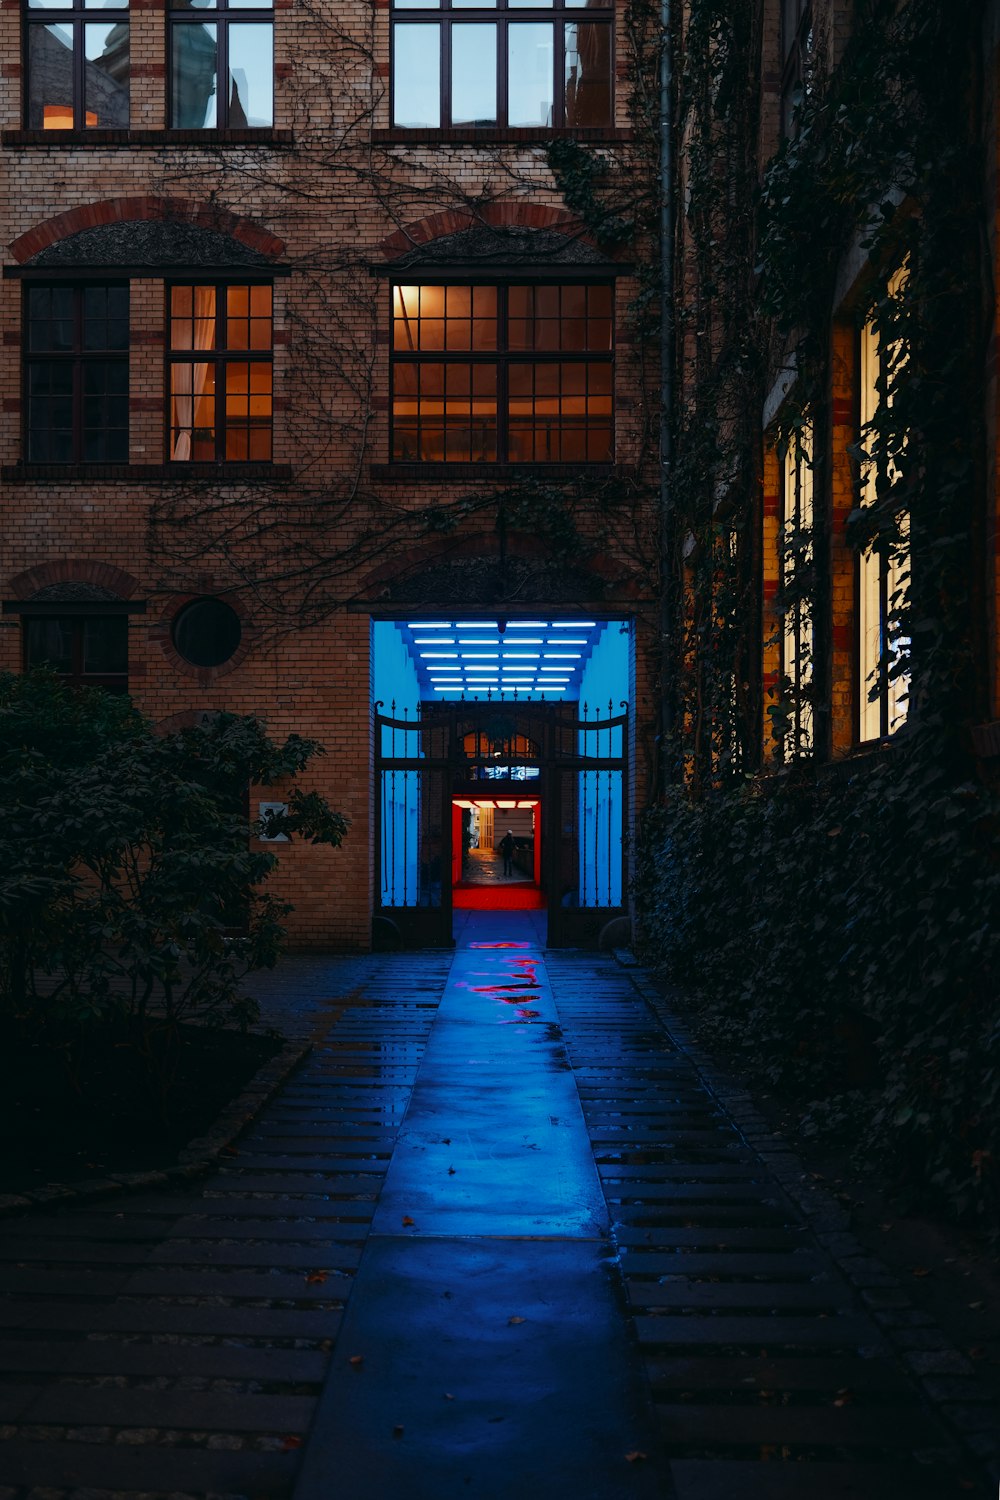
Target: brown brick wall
(325,206)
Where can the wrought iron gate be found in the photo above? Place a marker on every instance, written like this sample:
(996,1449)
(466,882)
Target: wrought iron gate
(575,766)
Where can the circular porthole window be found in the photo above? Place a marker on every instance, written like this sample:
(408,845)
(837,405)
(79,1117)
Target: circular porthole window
(206,632)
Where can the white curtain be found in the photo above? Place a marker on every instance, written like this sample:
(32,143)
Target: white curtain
(188,381)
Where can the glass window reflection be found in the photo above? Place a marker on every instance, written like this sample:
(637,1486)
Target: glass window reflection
(532,68)
(416,82)
(473,74)
(78,71)
(222,69)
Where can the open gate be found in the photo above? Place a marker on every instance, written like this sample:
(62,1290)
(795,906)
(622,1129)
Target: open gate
(575,767)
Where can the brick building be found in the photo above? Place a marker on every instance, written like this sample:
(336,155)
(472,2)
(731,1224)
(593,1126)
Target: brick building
(302,341)
(809,543)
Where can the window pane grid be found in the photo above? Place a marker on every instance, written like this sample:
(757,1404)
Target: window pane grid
(76,374)
(515,66)
(77,68)
(490,403)
(221,406)
(84,652)
(222,65)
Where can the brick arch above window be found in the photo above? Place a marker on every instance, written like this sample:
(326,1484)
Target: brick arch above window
(134,209)
(510,215)
(69,572)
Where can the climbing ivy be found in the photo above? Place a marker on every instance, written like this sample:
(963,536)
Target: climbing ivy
(837,924)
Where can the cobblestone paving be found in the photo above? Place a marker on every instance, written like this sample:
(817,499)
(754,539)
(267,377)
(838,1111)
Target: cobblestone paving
(176,1344)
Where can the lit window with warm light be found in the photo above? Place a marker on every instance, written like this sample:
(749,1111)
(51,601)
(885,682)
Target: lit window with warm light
(502,373)
(883,574)
(796,579)
(220,373)
(77,66)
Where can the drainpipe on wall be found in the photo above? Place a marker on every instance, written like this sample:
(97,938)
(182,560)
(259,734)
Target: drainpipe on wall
(666,381)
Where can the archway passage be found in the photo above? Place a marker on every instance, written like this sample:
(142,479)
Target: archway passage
(497,854)
(500,736)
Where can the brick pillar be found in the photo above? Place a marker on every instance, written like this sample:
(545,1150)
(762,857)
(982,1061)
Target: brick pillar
(843,560)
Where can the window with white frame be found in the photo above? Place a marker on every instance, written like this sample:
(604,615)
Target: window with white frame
(883,574)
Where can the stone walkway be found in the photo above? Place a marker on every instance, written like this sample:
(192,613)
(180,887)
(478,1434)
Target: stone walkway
(496,1238)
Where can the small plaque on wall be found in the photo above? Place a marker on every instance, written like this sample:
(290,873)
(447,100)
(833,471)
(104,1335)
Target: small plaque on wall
(263,808)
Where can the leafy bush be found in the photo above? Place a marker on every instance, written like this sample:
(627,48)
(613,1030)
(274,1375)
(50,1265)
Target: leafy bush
(129,892)
(841,932)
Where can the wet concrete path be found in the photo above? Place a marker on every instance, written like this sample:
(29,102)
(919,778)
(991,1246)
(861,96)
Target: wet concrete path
(493,1357)
(487,1241)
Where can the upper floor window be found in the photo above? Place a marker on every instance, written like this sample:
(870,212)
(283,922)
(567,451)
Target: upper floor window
(220,373)
(502,373)
(77,65)
(517,63)
(221,64)
(796,586)
(87,650)
(76,373)
(796,44)
(883,572)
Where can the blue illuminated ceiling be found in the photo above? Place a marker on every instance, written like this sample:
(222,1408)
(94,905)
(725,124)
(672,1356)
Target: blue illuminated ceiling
(533,658)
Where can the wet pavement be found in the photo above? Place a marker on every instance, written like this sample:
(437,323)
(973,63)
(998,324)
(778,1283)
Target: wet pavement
(496,1237)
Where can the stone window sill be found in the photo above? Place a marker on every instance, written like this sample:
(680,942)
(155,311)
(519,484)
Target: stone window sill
(142,473)
(435,472)
(99,139)
(498,135)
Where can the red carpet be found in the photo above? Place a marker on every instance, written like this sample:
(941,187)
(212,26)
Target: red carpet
(497,898)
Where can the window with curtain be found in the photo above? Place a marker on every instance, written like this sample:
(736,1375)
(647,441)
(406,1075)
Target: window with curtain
(77,56)
(220,361)
(86,650)
(796,580)
(503,373)
(516,63)
(221,64)
(76,373)
(883,650)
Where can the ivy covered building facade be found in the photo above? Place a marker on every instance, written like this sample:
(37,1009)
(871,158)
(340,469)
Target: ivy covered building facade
(822,875)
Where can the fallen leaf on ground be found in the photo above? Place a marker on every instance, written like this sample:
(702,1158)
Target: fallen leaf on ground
(921,1271)
(979,1352)
(635,1456)
(356,1360)
(290,1442)
(397,1431)
(512,1321)
(408,1223)
(316,1278)
(976,1305)
(448,1396)
(451,1171)
(446,1141)
(885,1228)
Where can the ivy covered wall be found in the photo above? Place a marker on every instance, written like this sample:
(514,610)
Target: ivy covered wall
(831,897)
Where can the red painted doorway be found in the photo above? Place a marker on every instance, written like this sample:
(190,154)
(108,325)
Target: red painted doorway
(482,879)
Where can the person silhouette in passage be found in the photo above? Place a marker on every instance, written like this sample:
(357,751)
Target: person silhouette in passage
(506,847)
